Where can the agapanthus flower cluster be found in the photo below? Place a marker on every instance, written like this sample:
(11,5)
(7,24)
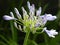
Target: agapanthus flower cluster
(31,21)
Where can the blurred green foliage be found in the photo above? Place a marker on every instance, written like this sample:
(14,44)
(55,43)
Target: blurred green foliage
(49,6)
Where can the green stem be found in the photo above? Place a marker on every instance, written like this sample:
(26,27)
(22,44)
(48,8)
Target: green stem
(46,39)
(14,31)
(26,38)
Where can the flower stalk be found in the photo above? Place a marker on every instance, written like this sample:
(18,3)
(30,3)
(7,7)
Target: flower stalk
(46,39)
(26,38)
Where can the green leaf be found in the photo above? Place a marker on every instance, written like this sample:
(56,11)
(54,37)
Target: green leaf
(2,43)
(4,38)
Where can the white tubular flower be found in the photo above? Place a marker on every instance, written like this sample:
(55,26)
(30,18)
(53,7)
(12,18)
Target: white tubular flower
(47,17)
(25,15)
(15,24)
(51,33)
(50,17)
(38,12)
(28,4)
(6,17)
(17,13)
(20,28)
(11,13)
(31,8)
(24,11)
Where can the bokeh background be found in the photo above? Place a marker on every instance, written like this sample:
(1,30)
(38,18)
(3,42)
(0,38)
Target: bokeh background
(48,6)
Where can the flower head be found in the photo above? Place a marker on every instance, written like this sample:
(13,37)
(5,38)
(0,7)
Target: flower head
(30,20)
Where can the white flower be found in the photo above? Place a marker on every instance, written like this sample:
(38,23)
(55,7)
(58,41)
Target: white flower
(38,12)
(50,17)
(12,15)
(31,8)
(6,17)
(47,17)
(28,4)
(25,15)
(24,11)
(51,33)
(17,13)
